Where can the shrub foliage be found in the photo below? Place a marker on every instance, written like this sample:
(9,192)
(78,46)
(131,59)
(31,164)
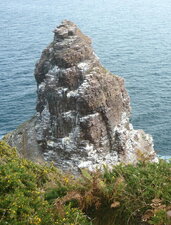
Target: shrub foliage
(23,187)
(40,194)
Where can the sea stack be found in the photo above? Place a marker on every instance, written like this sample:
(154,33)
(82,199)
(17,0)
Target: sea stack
(83,110)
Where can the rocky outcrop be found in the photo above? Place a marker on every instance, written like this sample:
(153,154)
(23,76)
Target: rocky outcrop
(82,110)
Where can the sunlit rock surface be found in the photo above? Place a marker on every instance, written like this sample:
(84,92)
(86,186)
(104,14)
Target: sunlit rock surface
(83,110)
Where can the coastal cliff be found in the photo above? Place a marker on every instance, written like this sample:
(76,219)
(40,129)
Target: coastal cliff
(83,110)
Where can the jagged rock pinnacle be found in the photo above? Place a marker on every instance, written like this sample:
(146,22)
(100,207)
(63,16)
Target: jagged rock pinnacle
(83,110)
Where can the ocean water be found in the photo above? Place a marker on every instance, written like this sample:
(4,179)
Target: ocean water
(131,37)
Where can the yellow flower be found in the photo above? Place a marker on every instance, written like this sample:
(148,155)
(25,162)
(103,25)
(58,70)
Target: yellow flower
(66,180)
(37,220)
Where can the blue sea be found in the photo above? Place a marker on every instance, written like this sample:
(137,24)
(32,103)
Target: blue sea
(131,37)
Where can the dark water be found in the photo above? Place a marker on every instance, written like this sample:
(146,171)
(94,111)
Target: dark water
(132,38)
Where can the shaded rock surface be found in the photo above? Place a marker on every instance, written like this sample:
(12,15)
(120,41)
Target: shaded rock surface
(83,110)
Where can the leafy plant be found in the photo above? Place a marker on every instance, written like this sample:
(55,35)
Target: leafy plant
(40,194)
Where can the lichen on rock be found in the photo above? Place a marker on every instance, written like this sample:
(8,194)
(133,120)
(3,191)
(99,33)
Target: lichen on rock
(83,110)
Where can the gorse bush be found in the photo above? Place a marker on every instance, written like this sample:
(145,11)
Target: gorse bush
(41,194)
(22,192)
(21,181)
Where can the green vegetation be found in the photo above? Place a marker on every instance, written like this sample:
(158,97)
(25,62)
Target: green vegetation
(40,194)
(23,186)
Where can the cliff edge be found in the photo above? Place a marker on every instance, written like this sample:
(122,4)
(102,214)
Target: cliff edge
(83,110)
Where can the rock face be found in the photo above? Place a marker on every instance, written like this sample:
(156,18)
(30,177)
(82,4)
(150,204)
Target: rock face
(83,110)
